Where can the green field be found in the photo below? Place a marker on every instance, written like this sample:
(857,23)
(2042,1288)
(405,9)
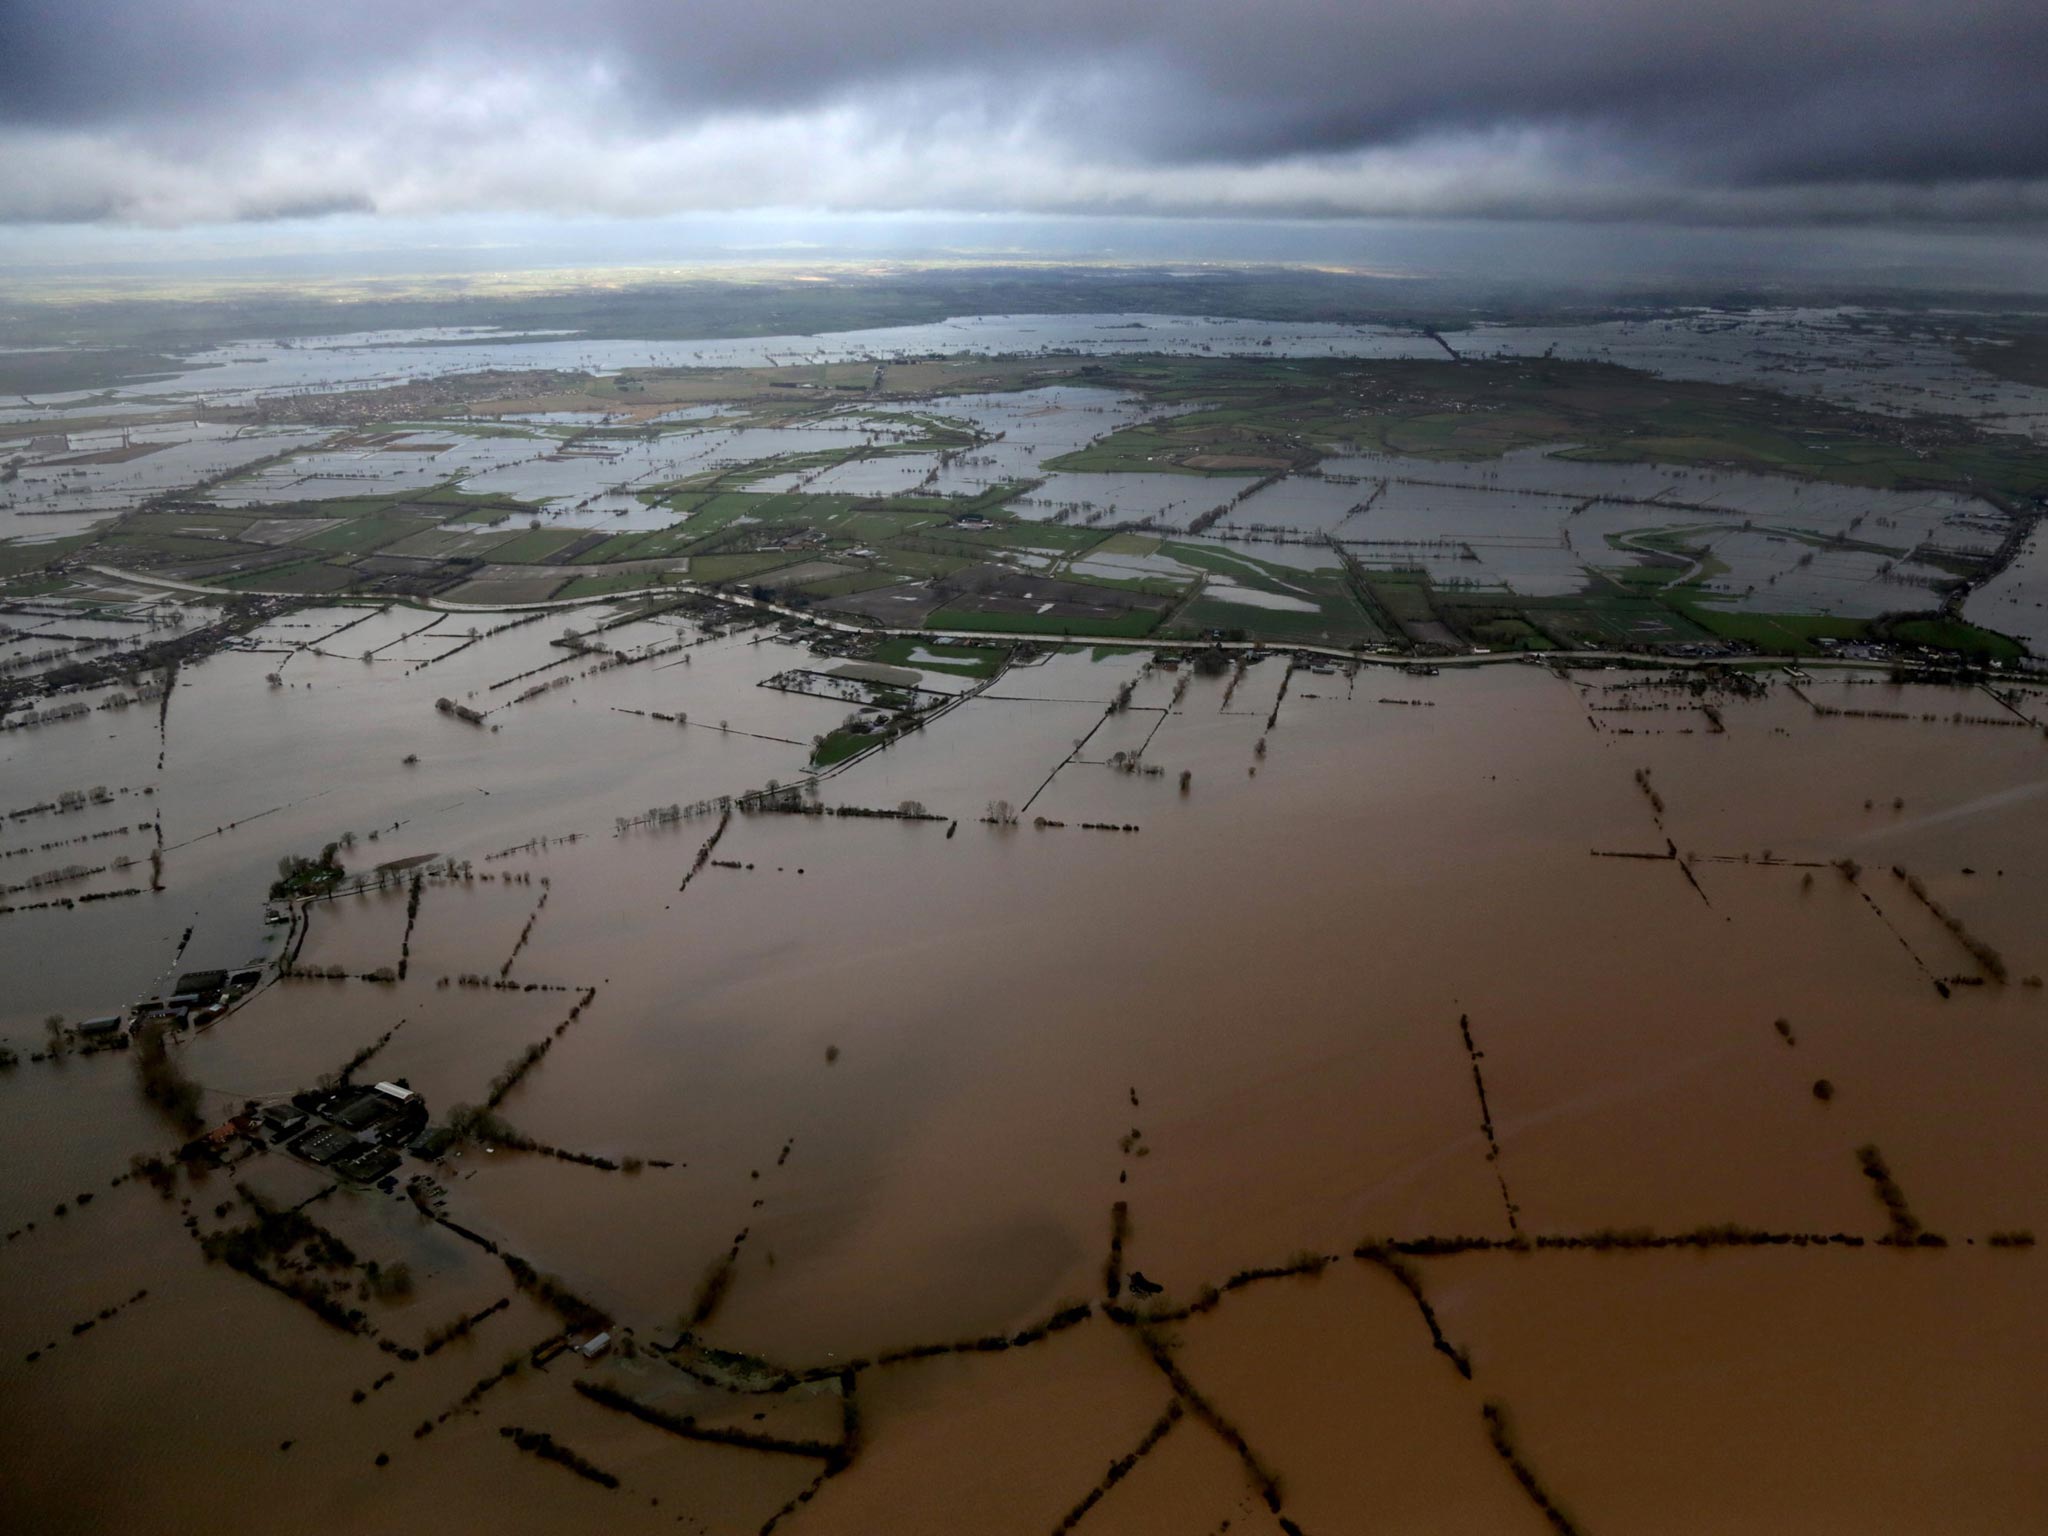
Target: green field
(715,568)
(841,744)
(310,577)
(363,534)
(1241,418)
(535,545)
(442,543)
(1956,635)
(962,660)
(1482,408)
(18,556)
(610,581)
(1136,623)
(848,585)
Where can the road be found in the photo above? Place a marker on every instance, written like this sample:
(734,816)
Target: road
(1397,662)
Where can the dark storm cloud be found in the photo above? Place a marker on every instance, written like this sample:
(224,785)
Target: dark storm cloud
(1597,105)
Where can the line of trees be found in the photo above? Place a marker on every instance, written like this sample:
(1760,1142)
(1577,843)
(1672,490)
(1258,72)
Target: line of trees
(540,1443)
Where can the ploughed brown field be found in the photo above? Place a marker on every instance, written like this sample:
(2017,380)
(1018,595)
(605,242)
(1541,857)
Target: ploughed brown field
(1347,1139)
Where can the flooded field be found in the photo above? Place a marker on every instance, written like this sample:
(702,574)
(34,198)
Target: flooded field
(1862,357)
(1351,487)
(1101,921)
(1854,355)
(1139,1094)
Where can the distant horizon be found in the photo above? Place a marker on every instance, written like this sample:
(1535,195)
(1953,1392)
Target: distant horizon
(39,261)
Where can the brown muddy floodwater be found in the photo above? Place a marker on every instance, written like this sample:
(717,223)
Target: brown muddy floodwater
(874,1124)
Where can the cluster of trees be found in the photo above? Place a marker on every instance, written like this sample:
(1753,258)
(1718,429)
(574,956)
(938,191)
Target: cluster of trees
(46,716)
(164,1081)
(1643,783)
(763,1376)
(1236,676)
(1906,1228)
(687,1427)
(298,875)
(1133,762)
(1113,1266)
(349,1068)
(1262,1477)
(448,1333)
(478,1123)
(459,711)
(515,1069)
(1066,1317)
(87,1324)
(1411,1282)
(1122,1467)
(270,1239)
(483,1384)
(708,846)
(387,1282)
(540,1443)
(500,984)
(159,1174)
(292,971)
(551,1292)
(412,917)
(61,876)
(1279,698)
(66,842)
(1620,1240)
(69,800)
(1990,959)
(1209,1297)
(654,816)
(526,933)
(528,1059)
(70,902)
(908,810)
(1503,1445)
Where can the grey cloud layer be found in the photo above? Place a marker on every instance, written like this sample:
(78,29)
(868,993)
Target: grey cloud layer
(176,109)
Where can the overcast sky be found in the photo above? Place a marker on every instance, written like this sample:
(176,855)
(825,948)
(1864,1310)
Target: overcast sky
(164,113)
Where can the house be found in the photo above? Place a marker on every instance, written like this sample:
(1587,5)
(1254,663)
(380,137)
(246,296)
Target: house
(595,1347)
(284,1119)
(202,985)
(101,1028)
(324,1144)
(395,1092)
(367,1164)
(359,1113)
(221,1135)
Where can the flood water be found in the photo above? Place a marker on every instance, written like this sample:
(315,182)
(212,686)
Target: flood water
(1535,523)
(893,1075)
(1858,357)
